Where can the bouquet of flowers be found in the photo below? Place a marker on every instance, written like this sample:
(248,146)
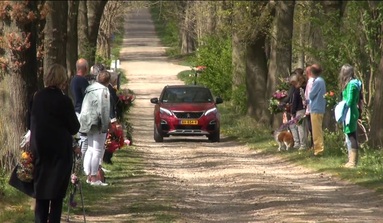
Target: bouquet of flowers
(76,171)
(25,167)
(125,101)
(330,99)
(115,138)
(275,105)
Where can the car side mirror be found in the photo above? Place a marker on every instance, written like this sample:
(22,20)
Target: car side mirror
(218,100)
(154,100)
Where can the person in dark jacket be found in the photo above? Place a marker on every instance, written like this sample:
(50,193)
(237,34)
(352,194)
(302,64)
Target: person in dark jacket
(53,122)
(298,110)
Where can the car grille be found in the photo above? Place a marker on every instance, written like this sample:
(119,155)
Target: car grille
(188,127)
(188,114)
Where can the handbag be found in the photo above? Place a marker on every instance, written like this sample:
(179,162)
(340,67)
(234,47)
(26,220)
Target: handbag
(22,175)
(25,187)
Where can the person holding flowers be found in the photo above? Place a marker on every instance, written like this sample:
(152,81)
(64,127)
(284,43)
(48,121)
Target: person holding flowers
(351,93)
(298,109)
(53,121)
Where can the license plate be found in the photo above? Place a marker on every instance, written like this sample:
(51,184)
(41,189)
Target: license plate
(189,122)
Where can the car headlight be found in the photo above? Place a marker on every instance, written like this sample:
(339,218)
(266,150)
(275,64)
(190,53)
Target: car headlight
(165,111)
(214,110)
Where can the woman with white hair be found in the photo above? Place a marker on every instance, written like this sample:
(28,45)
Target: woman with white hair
(95,120)
(351,93)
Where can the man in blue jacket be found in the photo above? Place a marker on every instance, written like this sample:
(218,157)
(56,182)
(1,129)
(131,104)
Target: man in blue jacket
(317,108)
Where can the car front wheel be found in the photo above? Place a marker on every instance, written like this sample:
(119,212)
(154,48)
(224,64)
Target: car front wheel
(215,137)
(157,136)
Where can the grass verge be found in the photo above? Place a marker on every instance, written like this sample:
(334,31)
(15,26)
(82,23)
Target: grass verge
(244,129)
(369,172)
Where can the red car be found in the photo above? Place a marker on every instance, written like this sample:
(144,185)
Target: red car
(186,110)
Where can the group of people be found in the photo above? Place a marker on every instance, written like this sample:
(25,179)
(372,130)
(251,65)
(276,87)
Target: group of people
(306,100)
(55,119)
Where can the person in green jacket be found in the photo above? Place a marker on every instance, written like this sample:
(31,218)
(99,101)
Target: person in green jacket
(351,94)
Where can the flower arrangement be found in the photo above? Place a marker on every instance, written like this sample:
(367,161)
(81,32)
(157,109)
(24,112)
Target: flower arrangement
(331,99)
(25,167)
(125,101)
(115,138)
(76,171)
(275,105)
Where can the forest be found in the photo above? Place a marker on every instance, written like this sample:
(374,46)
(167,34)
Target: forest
(248,47)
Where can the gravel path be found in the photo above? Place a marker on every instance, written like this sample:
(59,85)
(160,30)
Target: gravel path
(201,181)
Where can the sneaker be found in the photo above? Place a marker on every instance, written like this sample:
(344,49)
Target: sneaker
(296,147)
(302,148)
(98,183)
(87,181)
(105,170)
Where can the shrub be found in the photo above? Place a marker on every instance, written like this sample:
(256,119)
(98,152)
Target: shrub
(215,54)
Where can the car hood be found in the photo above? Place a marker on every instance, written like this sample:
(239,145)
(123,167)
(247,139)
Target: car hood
(187,106)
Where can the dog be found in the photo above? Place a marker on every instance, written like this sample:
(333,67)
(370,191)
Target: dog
(284,139)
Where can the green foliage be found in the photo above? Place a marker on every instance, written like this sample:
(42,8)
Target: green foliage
(166,28)
(239,99)
(215,54)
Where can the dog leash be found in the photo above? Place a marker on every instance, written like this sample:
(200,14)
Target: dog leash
(290,122)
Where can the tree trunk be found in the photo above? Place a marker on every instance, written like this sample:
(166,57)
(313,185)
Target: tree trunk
(55,34)
(238,58)
(72,43)
(187,37)
(256,81)
(280,47)
(82,28)
(376,133)
(20,79)
(95,11)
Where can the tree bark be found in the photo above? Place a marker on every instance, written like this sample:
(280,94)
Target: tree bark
(280,47)
(187,31)
(82,26)
(20,78)
(72,40)
(256,81)
(95,11)
(55,34)
(376,133)
(238,57)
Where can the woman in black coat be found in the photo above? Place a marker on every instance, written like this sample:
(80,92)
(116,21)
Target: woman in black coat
(53,122)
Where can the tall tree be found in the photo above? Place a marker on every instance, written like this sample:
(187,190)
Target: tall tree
(187,32)
(238,57)
(55,34)
(72,37)
(90,13)
(280,56)
(18,70)
(256,62)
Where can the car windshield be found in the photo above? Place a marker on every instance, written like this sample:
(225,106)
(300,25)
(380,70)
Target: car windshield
(187,95)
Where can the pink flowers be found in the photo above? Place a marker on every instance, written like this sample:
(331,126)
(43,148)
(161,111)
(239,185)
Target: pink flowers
(280,94)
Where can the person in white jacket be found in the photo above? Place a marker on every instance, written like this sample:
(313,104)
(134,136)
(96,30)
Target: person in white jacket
(94,121)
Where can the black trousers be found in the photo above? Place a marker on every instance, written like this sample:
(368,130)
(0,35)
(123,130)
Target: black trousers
(48,210)
(310,131)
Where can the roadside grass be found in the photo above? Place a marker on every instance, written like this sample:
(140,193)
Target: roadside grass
(127,168)
(369,172)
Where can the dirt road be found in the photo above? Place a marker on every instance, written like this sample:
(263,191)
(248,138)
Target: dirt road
(201,181)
